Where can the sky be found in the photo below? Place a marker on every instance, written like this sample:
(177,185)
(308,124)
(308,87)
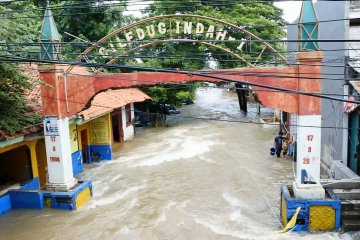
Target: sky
(291,10)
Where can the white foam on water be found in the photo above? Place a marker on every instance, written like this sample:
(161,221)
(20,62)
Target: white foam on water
(233,201)
(189,148)
(241,232)
(114,197)
(161,218)
(115,178)
(125,230)
(208,160)
(178,144)
(235,216)
(170,204)
(237,206)
(220,230)
(100,189)
(181,223)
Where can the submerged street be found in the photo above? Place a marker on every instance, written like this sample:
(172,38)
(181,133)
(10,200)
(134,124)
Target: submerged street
(192,179)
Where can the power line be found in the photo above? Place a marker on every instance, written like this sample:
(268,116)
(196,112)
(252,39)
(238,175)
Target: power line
(191,73)
(135,3)
(202,118)
(184,84)
(87,43)
(227,72)
(205,57)
(224,72)
(206,53)
(161,40)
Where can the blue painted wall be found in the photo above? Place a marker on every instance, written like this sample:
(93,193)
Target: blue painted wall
(77,161)
(67,200)
(26,199)
(5,203)
(33,184)
(100,152)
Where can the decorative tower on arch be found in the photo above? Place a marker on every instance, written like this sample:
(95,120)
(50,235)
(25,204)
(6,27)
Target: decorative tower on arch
(50,38)
(308,27)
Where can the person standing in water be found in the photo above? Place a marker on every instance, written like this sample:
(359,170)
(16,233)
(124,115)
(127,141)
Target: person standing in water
(278,143)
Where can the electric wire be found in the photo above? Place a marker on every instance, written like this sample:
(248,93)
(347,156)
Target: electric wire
(199,118)
(186,84)
(191,73)
(148,8)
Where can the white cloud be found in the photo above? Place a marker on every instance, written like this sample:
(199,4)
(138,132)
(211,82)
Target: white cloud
(135,8)
(291,10)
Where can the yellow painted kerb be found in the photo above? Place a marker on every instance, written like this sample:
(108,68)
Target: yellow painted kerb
(322,218)
(283,211)
(83,197)
(48,202)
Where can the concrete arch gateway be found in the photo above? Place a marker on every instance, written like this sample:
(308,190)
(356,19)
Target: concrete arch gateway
(176,28)
(68,100)
(86,112)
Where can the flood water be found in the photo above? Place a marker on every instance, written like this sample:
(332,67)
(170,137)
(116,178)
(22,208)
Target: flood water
(192,179)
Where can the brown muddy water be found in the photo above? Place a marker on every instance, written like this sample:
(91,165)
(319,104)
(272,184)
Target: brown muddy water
(193,179)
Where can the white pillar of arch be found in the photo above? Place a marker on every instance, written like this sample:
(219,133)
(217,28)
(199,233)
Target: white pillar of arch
(309,144)
(307,184)
(58,154)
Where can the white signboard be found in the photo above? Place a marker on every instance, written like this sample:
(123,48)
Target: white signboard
(51,127)
(308,152)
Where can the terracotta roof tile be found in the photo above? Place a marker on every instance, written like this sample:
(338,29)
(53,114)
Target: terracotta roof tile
(33,95)
(111,99)
(33,100)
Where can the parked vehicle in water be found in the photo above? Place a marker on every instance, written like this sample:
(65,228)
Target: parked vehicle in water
(141,121)
(188,102)
(169,109)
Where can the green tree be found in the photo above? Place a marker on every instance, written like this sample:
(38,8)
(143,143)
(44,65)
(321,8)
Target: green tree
(83,22)
(21,22)
(262,19)
(17,27)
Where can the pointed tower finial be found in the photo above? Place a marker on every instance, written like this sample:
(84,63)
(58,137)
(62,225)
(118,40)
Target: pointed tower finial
(308,27)
(50,37)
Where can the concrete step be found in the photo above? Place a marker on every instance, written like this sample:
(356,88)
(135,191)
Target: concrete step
(355,215)
(347,194)
(350,225)
(350,205)
(344,185)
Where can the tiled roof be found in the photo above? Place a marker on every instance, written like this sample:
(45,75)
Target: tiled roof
(33,99)
(111,99)
(33,95)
